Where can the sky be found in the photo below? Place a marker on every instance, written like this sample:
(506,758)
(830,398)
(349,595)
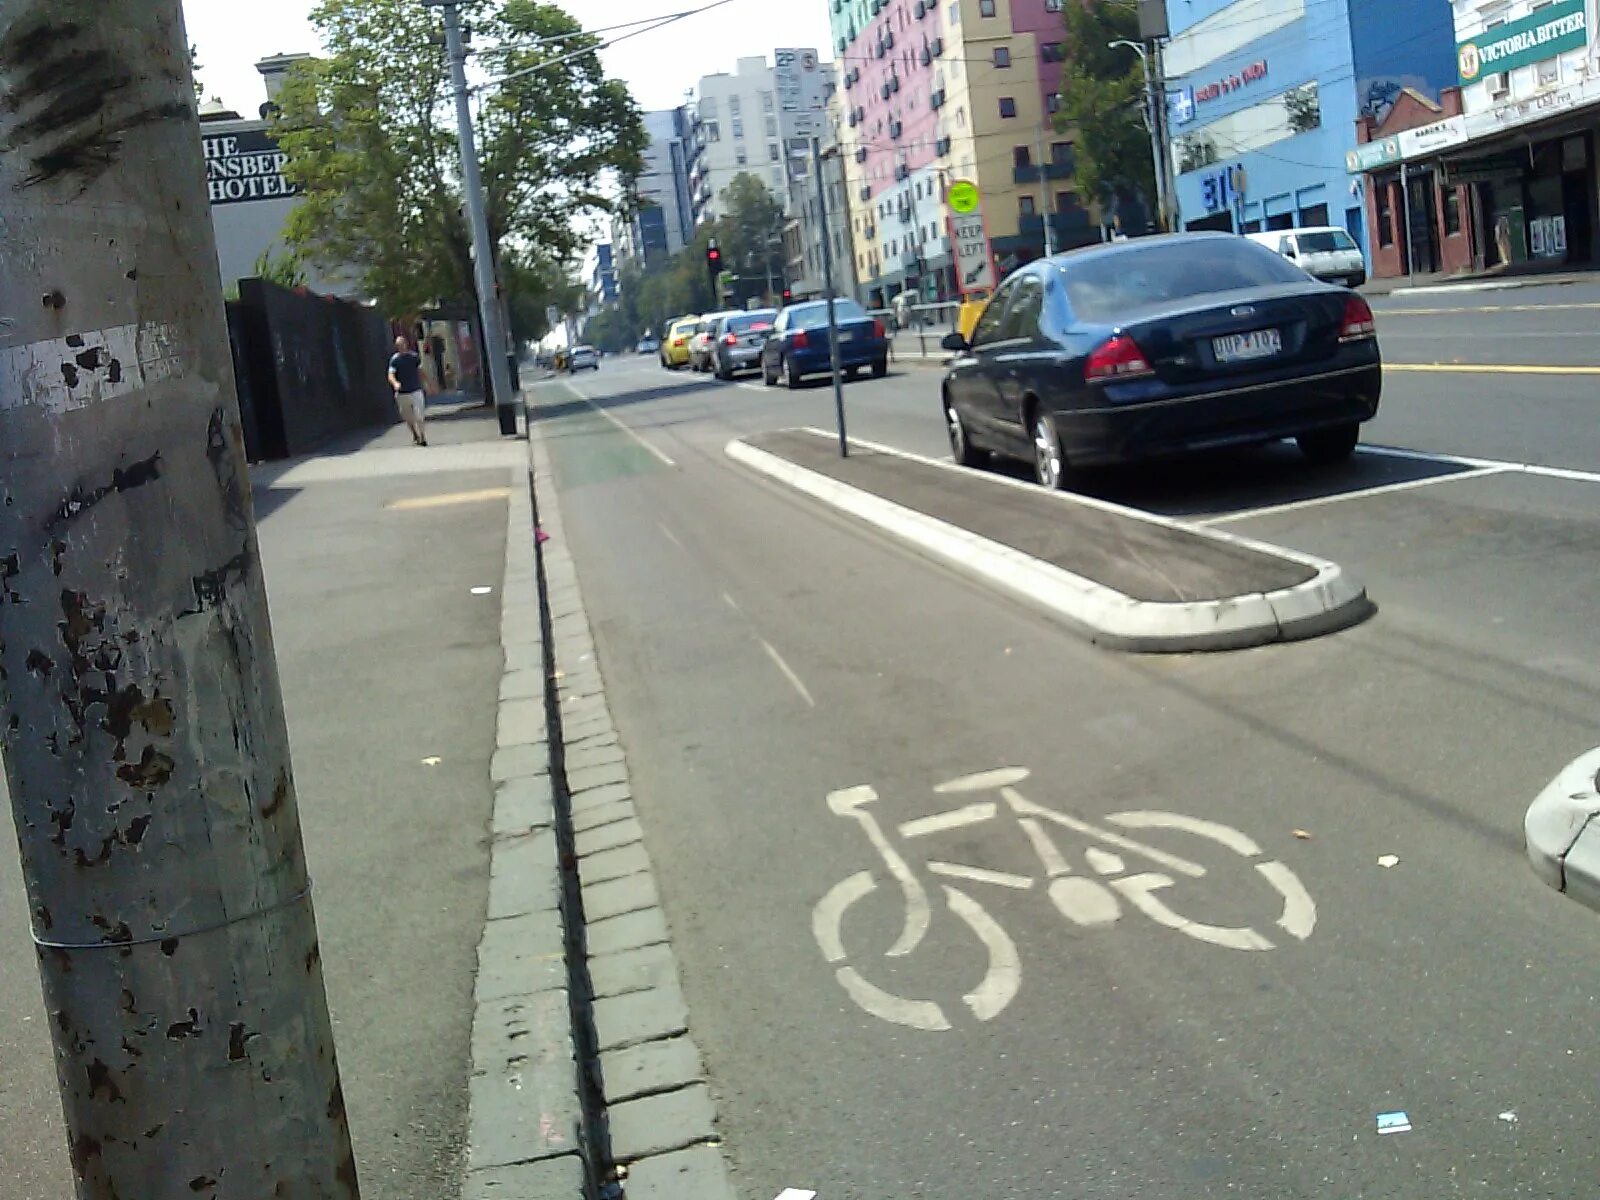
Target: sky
(659,66)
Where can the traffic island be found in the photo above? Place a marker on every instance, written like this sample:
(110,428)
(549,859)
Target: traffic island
(1126,579)
(1561,834)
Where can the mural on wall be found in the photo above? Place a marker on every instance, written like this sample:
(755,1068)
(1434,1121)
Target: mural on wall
(1379,94)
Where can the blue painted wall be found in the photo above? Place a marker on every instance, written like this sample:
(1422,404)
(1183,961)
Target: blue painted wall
(1401,43)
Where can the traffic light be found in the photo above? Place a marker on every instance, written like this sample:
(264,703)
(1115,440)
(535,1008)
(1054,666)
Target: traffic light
(713,266)
(788,295)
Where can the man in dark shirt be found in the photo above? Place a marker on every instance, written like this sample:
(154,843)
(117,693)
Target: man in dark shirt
(405,377)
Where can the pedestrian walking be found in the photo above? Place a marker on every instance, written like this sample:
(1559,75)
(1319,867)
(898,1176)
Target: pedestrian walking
(405,377)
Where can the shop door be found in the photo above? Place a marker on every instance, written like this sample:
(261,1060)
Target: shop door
(1575,192)
(1424,229)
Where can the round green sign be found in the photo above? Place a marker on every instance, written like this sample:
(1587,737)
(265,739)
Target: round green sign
(963,197)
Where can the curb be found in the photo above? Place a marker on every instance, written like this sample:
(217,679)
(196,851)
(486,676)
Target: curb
(1487,285)
(1327,602)
(649,1090)
(1561,835)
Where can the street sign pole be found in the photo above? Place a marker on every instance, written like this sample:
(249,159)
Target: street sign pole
(140,710)
(827,282)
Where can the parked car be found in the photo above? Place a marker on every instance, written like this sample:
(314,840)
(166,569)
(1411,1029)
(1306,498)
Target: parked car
(738,340)
(700,343)
(647,345)
(585,358)
(675,346)
(1323,251)
(799,344)
(1157,346)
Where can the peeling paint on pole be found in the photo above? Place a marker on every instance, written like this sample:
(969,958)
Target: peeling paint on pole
(140,712)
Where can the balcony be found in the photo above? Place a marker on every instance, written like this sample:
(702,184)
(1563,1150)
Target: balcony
(896,128)
(936,99)
(1031,173)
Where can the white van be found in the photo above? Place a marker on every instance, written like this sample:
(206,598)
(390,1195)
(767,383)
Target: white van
(1325,251)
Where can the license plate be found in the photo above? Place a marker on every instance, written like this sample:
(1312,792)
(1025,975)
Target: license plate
(1240,347)
(848,335)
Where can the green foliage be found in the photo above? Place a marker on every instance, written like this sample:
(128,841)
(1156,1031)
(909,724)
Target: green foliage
(532,286)
(1102,99)
(285,269)
(1304,108)
(369,131)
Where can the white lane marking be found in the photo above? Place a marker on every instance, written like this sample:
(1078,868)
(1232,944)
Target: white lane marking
(1055,864)
(828,915)
(959,818)
(1520,335)
(984,781)
(1566,473)
(848,802)
(918,1014)
(1018,883)
(1382,489)
(795,1194)
(731,602)
(788,672)
(1084,901)
(67,373)
(1228,836)
(753,387)
(1004,977)
(1021,804)
(627,429)
(671,537)
(1299,909)
(1139,891)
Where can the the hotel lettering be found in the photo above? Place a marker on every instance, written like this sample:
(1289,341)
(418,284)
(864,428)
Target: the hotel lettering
(245,166)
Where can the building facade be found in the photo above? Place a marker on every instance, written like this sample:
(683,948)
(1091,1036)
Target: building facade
(736,130)
(806,229)
(663,221)
(1264,96)
(935,91)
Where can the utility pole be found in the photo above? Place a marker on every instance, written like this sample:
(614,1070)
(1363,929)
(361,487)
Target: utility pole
(140,714)
(1044,194)
(827,282)
(1155,122)
(497,348)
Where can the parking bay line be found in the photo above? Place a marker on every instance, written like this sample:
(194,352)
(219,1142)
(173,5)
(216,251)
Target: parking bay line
(1271,510)
(1489,369)
(788,672)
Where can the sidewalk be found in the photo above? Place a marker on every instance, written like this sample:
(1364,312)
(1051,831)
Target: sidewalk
(1520,276)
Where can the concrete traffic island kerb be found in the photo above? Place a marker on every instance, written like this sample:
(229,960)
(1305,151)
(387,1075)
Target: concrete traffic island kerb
(1562,835)
(1142,583)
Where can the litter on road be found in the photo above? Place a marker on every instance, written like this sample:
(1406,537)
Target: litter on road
(1394,1122)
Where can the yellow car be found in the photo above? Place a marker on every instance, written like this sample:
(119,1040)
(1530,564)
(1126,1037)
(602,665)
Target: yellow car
(971,309)
(675,346)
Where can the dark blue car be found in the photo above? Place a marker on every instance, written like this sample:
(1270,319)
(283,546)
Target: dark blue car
(799,343)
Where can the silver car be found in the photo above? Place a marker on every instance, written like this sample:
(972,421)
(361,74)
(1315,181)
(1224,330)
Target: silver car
(738,339)
(585,358)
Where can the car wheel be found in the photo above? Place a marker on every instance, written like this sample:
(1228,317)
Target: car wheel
(791,377)
(961,447)
(1334,445)
(880,368)
(767,377)
(1049,465)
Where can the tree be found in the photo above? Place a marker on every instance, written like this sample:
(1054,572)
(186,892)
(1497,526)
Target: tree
(1304,108)
(750,230)
(285,269)
(1102,100)
(370,136)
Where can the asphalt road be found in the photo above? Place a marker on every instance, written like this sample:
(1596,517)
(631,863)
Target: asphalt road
(761,654)
(386,659)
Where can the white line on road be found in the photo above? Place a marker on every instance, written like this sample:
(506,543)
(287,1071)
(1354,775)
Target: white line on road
(753,387)
(956,818)
(671,537)
(661,457)
(950,870)
(1004,977)
(1271,510)
(788,672)
(731,602)
(1566,473)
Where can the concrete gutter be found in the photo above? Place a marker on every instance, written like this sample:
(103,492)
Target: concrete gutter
(1562,835)
(1328,601)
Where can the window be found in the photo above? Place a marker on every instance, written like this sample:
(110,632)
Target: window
(772,127)
(988,328)
(1021,157)
(1002,56)
(1053,52)
(766,101)
(1052,5)
(1549,72)
(1452,211)
(1026,206)
(1008,107)
(773,153)
(740,157)
(738,128)
(733,105)
(1061,154)
(713,134)
(1053,104)
(1322,242)
(777,178)
(986,8)
(1022,316)
(1315,215)
(1385,215)
(1102,287)
(955,13)
(1066,201)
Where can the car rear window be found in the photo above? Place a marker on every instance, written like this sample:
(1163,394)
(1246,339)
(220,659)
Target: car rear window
(752,323)
(1103,287)
(1324,240)
(812,315)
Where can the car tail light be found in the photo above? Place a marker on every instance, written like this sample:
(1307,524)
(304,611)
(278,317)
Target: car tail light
(878,331)
(1120,358)
(800,339)
(1358,323)
(730,339)
(677,341)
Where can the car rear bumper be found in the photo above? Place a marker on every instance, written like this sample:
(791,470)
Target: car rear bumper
(745,358)
(1240,416)
(851,354)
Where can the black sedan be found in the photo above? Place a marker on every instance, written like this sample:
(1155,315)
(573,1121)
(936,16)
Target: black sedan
(1159,346)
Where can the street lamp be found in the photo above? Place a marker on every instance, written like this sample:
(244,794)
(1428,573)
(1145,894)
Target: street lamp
(1156,123)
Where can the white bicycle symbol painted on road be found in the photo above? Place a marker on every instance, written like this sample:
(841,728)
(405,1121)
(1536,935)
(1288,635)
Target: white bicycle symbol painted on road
(1085,901)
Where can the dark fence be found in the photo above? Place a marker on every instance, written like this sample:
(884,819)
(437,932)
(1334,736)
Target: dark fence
(308,368)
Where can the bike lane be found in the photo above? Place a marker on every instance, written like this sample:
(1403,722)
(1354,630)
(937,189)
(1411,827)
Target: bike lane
(1131,1058)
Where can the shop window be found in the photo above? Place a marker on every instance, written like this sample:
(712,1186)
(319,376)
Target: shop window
(1452,211)
(1549,72)
(1316,215)
(1385,215)
(1250,227)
